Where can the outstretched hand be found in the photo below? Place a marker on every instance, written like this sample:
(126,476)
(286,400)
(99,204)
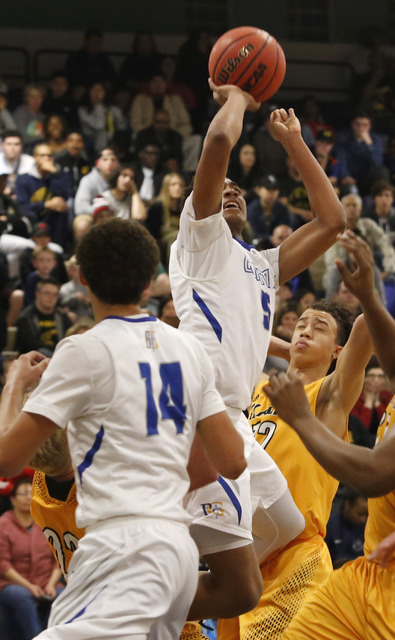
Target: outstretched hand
(283,124)
(360,281)
(27,369)
(221,94)
(286,392)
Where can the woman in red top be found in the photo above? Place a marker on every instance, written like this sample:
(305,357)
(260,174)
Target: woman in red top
(28,571)
(374,398)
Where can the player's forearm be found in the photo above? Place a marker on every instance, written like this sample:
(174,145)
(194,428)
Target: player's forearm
(11,403)
(279,348)
(351,464)
(381,327)
(228,122)
(324,202)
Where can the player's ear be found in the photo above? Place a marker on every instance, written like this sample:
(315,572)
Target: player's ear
(337,351)
(82,279)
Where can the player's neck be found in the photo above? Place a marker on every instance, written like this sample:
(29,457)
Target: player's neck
(309,373)
(102,310)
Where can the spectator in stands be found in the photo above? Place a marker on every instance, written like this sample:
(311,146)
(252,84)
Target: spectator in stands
(167,312)
(73,160)
(168,66)
(272,156)
(6,119)
(44,263)
(285,319)
(89,65)
(149,173)
(73,296)
(12,218)
(96,181)
(346,297)
(381,210)
(29,574)
(29,118)
(41,325)
(370,231)
(334,168)
(375,396)
(41,237)
(12,160)
(346,527)
(55,132)
(192,64)
(44,193)
(266,212)
(164,214)
(167,139)
(156,97)
(362,152)
(58,101)
(294,195)
(244,169)
(99,120)
(123,196)
(142,63)
(389,157)
(304,298)
(312,120)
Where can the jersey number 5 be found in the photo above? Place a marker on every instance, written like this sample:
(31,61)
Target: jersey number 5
(171,396)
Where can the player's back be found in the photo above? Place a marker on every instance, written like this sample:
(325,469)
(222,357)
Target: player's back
(139,390)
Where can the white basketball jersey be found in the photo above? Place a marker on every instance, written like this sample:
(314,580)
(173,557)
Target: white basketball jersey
(132,390)
(223,293)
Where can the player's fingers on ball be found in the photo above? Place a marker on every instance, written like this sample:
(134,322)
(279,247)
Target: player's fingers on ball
(283,114)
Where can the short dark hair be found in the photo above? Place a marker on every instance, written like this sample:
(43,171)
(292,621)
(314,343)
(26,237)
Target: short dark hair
(118,259)
(381,185)
(19,482)
(45,281)
(12,133)
(343,316)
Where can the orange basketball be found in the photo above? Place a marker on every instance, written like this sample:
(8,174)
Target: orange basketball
(249,58)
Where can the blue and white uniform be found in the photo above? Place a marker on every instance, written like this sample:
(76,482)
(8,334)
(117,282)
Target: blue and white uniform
(131,391)
(224,294)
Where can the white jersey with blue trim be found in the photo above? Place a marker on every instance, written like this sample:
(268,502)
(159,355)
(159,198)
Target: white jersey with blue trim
(131,391)
(224,294)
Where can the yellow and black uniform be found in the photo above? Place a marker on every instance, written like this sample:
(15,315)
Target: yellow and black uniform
(357,601)
(56,517)
(293,572)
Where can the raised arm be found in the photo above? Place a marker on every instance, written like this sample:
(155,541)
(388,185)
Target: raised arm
(223,133)
(371,471)
(223,444)
(343,387)
(21,434)
(311,240)
(361,283)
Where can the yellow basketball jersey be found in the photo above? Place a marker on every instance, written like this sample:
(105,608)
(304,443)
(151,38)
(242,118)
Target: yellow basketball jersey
(312,488)
(381,520)
(57,520)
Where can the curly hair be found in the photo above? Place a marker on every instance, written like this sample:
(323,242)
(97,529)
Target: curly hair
(118,259)
(343,315)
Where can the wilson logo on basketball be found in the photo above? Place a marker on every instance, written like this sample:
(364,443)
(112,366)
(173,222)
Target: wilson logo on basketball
(232,63)
(255,77)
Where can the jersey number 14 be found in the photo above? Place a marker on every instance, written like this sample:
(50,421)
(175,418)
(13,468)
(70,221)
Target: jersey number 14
(170,399)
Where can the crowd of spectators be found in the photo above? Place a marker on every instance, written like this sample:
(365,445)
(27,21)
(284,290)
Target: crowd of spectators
(95,143)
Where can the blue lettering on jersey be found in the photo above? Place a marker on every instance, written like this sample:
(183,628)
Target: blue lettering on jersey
(261,276)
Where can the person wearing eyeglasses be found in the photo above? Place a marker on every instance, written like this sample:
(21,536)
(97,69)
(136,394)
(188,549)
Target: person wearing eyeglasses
(28,571)
(44,193)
